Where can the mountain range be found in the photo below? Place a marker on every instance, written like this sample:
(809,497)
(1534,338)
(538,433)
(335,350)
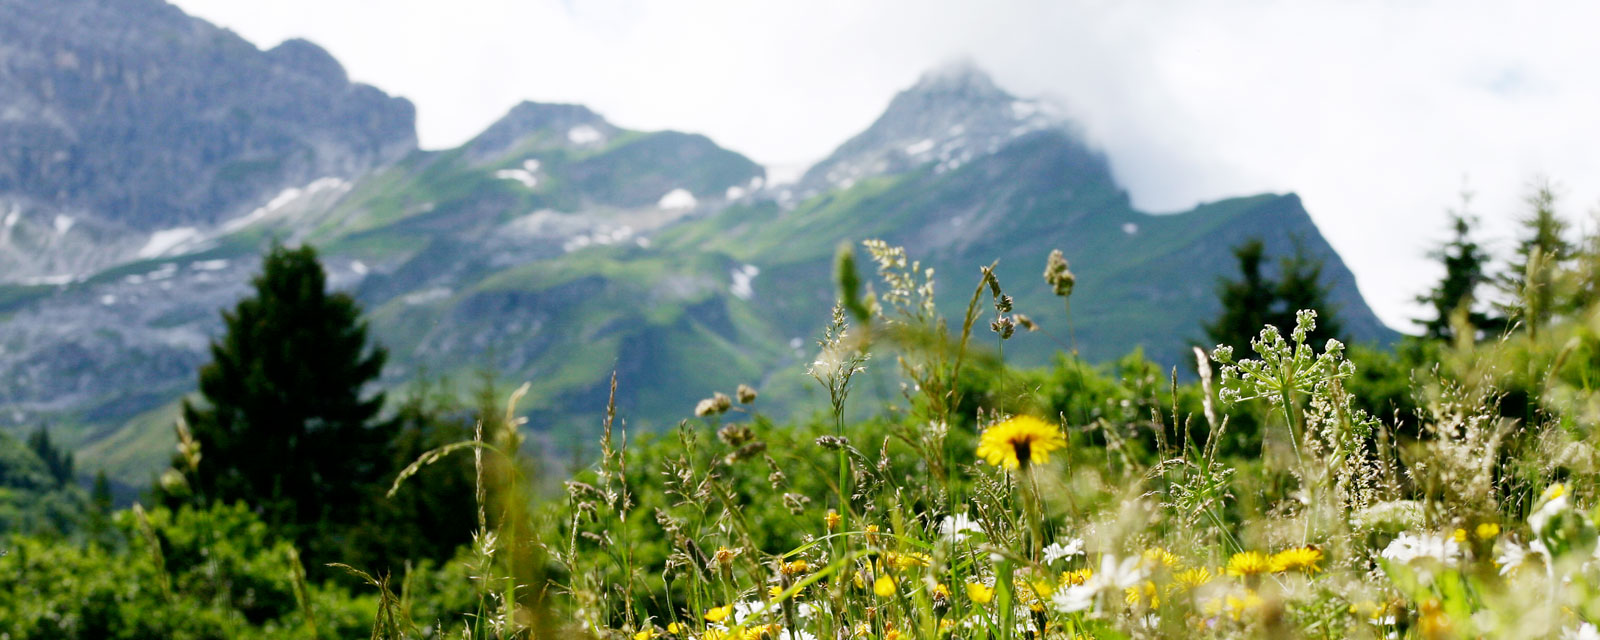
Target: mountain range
(147,158)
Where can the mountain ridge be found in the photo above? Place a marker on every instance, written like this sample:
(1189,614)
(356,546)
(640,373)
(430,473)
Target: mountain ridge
(556,247)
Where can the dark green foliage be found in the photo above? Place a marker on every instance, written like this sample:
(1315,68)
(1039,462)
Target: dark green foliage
(1256,300)
(223,573)
(33,497)
(1542,249)
(1465,265)
(283,424)
(58,462)
(434,513)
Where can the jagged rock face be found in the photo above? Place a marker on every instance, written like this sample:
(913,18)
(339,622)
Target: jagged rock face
(119,118)
(951,116)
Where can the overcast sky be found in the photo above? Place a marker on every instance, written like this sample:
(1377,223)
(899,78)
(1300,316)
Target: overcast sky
(1376,113)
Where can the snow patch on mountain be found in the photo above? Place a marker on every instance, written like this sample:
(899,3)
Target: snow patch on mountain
(742,277)
(677,199)
(164,241)
(584,134)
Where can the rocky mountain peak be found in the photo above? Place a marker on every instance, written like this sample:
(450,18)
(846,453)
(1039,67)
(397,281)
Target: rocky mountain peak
(541,125)
(305,57)
(952,115)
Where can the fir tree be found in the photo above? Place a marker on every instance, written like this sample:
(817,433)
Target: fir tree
(1254,301)
(58,462)
(1541,252)
(283,423)
(1464,262)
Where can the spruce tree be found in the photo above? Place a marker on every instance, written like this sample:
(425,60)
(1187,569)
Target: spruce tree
(1464,262)
(1541,251)
(283,422)
(1254,301)
(1246,302)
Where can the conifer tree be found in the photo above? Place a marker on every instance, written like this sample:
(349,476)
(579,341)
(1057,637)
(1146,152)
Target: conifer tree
(1254,300)
(283,422)
(1542,250)
(1465,265)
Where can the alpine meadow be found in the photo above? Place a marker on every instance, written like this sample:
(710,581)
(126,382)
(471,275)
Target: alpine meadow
(269,368)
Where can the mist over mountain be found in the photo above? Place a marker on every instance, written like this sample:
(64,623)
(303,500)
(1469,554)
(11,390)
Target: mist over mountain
(554,247)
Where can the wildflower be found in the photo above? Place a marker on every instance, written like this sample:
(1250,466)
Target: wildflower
(1114,575)
(1146,595)
(774,591)
(724,557)
(746,394)
(1057,551)
(833,519)
(1409,549)
(1434,622)
(644,634)
(1077,576)
(1160,558)
(795,568)
(941,594)
(718,614)
(1303,559)
(905,561)
(1249,563)
(872,534)
(979,592)
(883,587)
(1554,501)
(1019,442)
(1585,631)
(1512,557)
(673,628)
(1459,535)
(958,526)
(1191,578)
(1488,530)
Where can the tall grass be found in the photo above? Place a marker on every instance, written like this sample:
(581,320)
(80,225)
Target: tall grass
(1034,525)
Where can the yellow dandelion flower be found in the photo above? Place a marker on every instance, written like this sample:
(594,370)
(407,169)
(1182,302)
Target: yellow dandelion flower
(1019,442)
(795,568)
(763,632)
(1459,535)
(774,591)
(979,593)
(872,534)
(1488,530)
(1077,577)
(1191,578)
(718,614)
(883,587)
(941,593)
(1249,563)
(716,634)
(833,519)
(644,634)
(1160,558)
(892,634)
(673,628)
(1303,559)
(1146,595)
(905,561)
(724,556)
(862,630)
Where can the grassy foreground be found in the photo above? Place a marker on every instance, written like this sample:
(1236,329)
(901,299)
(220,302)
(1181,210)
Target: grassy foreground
(1296,490)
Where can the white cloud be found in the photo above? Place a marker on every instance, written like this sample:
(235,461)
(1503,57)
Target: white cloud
(1372,112)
